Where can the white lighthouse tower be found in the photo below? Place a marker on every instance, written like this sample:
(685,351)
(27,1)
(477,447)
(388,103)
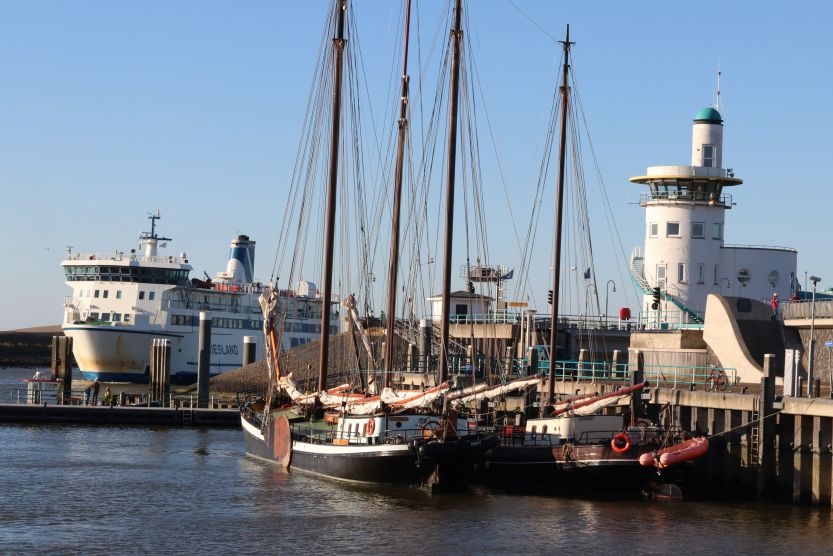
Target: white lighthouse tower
(685,257)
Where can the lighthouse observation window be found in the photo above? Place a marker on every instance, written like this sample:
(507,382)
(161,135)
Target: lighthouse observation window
(681,278)
(708,156)
(654,230)
(698,230)
(701,273)
(717,230)
(672,229)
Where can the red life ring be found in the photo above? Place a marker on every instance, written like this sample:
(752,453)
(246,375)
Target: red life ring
(371,426)
(620,443)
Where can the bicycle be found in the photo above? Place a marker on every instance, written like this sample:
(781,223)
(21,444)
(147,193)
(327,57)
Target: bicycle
(716,381)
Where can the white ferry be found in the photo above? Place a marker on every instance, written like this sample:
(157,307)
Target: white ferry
(121,301)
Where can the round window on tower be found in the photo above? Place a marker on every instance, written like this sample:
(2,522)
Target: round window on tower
(744,276)
(773,278)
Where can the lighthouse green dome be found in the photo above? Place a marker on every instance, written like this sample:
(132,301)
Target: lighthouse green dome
(708,115)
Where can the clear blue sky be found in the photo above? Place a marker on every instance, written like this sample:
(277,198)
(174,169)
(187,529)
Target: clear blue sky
(111,109)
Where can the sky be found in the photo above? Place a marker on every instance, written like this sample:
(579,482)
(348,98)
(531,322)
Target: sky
(109,110)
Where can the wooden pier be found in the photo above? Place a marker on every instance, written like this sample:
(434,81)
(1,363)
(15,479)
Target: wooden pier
(119,415)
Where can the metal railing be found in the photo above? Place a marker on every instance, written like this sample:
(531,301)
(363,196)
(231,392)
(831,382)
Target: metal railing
(804,309)
(687,196)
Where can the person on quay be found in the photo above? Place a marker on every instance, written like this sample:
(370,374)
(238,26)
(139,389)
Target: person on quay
(774,305)
(87,391)
(96,387)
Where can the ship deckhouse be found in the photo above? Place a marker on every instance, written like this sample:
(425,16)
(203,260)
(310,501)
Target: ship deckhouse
(685,256)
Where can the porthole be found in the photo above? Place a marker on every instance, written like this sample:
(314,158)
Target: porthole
(773,278)
(744,276)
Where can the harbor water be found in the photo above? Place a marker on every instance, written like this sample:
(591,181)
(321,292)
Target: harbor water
(141,490)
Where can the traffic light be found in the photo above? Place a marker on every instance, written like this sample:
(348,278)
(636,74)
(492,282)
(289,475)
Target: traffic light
(656,294)
(549,297)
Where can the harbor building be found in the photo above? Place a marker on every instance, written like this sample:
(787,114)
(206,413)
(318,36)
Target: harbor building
(685,256)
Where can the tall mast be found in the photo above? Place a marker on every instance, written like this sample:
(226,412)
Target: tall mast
(559,205)
(329,230)
(397,203)
(457,38)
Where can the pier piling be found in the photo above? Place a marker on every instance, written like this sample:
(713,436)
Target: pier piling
(204,359)
(249,350)
(62,363)
(160,370)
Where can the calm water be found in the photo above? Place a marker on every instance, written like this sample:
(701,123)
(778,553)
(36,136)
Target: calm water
(137,490)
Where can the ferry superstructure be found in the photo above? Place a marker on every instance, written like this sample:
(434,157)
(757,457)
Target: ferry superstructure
(121,301)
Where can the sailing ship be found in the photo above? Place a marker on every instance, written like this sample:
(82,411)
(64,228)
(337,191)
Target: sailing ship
(572,447)
(391,437)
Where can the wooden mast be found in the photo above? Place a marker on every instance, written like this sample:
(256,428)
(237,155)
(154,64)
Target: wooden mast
(457,39)
(329,230)
(397,203)
(559,205)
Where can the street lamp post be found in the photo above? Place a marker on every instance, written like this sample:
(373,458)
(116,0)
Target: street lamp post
(810,357)
(607,292)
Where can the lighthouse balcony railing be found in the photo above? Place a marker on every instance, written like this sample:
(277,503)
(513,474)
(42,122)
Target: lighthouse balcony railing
(648,197)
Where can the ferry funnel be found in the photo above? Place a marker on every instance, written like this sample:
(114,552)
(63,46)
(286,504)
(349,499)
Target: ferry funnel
(241,262)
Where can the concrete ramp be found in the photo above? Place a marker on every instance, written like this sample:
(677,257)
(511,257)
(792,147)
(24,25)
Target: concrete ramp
(739,331)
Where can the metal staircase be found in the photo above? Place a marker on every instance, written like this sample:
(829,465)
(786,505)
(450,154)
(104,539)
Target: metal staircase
(637,269)
(409,331)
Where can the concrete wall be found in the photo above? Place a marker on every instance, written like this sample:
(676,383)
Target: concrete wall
(723,336)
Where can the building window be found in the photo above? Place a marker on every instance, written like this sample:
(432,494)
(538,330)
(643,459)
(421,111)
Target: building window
(96,293)
(151,295)
(94,316)
(141,295)
(698,229)
(654,229)
(708,156)
(661,276)
(116,317)
(717,230)
(672,229)
(105,316)
(681,273)
(701,273)
(715,275)
(105,294)
(126,317)
(118,294)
